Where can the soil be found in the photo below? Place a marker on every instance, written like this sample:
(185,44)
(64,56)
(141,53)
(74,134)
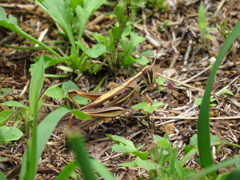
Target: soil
(182,56)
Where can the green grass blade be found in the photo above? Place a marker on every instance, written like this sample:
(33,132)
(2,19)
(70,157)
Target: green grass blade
(201,14)
(11,23)
(203,120)
(101,170)
(213,168)
(2,177)
(47,126)
(79,147)
(34,92)
(67,171)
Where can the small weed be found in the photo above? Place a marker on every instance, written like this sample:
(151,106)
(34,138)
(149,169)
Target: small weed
(203,26)
(72,18)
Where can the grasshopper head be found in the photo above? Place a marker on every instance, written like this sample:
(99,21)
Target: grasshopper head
(149,76)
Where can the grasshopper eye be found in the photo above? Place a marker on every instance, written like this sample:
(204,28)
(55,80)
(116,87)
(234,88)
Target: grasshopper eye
(148,75)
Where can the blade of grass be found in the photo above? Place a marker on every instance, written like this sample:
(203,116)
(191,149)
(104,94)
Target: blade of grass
(2,177)
(203,120)
(79,147)
(213,168)
(34,92)
(101,169)
(11,23)
(67,171)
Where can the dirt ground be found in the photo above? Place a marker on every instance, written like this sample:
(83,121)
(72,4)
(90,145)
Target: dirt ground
(182,56)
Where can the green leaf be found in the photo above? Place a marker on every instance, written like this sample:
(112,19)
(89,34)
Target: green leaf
(201,14)
(101,169)
(203,27)
(144,164)
(147,53)
(141,155)
(74,3)
(13,104)
(160,80)
(198,101)
(130,46)
(10,133)
(85,11)
(208,36)
(67,170)
(55,92)
(11,23)
(95,51)
(2,177)
(142,61)
(62,13)
(225,91)
(141,105)
(122,11)
(234,175)
(81,115)
(5,115)
(47,126)
(81,100)
(65,68)
(5,91)
(123,146)
(203,119)
(79,148)
(69,85)
(36,84)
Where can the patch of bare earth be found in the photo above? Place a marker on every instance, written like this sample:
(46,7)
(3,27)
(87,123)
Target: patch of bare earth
(182,56)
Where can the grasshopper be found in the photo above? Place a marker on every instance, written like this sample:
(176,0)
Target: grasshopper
(109,104)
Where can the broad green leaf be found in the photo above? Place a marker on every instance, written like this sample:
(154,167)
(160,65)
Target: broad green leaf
(85,11)
(95,51)
(130,46)
(74,3)
(123,145)
(5,91)
(142,61)
(10,133)
(141,155)
(62,13)
(144,164)
(122,11)
(5,115)
(69,85)
(55,92)
(128,60)
(13,104)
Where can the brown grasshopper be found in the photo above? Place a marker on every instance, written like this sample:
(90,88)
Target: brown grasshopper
(109,104)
